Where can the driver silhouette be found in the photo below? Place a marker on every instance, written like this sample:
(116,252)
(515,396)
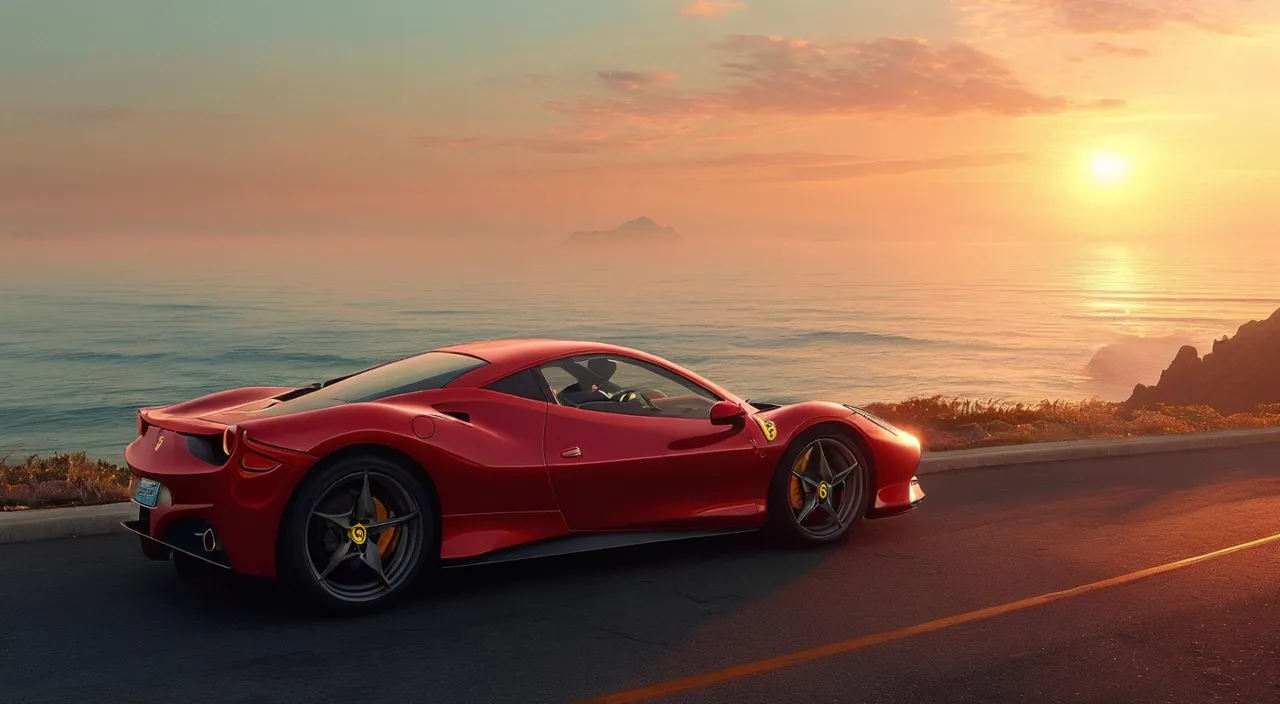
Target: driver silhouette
(601,368)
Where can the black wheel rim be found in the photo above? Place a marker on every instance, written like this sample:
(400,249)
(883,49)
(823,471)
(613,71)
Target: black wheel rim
(826,487)
(364,537)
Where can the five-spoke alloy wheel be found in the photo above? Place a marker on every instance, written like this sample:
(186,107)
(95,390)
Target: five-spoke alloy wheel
(357,534)
(820,488)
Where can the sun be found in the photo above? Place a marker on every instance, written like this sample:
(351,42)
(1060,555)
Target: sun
(1110,169)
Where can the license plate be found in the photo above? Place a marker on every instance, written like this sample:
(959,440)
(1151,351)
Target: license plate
(147,493)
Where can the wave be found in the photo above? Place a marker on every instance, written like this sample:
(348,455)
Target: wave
(854,337)
(436,313)
(75,416)
(1147,298)
(1134,360)
(1200,321)
(278,355)
(90,356)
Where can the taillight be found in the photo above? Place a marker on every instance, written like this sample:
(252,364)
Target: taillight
(228,440)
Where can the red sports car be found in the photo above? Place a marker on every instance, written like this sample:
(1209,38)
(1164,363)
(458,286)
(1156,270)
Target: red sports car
(348,490)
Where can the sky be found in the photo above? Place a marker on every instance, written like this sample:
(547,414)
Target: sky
(877,118)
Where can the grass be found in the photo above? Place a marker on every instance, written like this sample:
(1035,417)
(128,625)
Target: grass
(61,480)
(941,423)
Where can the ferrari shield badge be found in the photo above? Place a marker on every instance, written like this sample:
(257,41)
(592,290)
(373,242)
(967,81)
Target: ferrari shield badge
(359,534)
(768,428)
(159,442)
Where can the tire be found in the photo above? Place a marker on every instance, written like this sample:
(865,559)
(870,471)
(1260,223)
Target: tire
(849,498)
(189,569)
(325,556)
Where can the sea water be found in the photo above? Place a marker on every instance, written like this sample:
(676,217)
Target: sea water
(91,329)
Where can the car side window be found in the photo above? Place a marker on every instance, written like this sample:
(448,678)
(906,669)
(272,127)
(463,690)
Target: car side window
(557,379)
(524,384)
(616,384)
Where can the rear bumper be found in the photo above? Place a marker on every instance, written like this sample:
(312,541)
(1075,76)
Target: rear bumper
(187,537)
(243,509)
(897,499)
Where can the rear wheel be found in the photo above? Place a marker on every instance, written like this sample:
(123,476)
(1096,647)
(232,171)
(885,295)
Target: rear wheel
(189,568)
(820,489)
(357,534)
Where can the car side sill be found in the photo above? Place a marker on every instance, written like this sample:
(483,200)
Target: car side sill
(890,512)
(586,542)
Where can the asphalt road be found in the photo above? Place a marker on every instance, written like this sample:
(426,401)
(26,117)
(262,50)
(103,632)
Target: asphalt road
(89,620)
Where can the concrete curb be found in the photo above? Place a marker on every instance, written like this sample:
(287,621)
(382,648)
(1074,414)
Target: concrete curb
(935,462)
(48,524)
(71,522)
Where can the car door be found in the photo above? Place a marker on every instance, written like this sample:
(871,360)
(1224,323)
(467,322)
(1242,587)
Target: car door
(622,471)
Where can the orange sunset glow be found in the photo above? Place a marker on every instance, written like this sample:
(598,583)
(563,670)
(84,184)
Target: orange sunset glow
(728,117)
(605,351)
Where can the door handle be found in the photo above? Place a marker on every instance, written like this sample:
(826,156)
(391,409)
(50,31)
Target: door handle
(572,452)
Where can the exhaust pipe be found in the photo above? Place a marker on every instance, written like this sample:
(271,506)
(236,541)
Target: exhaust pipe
(209,540)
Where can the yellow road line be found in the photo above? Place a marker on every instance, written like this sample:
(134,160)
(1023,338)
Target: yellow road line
(803,656)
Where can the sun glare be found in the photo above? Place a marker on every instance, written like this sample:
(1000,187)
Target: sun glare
(1109,169)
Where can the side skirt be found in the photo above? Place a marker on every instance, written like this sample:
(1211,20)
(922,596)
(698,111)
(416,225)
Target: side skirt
(877,514)
(586,542)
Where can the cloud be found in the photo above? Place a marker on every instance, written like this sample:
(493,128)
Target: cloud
(783,77)
(889,75)
(522,80)
(453,142)
(1124,16)
(896,167)
(798,167)
(633,80)
(109,114)
(710,8)
(568,143)
(1109,49)
(1090,17)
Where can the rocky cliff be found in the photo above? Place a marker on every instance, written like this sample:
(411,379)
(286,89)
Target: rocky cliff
(1240,373)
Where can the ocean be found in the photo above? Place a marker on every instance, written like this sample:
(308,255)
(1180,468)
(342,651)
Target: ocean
(91,329)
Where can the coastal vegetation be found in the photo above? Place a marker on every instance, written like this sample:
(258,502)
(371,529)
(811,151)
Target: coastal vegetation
(61,480)
(941,423)
(956,424)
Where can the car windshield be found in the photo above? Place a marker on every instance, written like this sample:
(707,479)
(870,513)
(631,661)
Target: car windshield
(432,370)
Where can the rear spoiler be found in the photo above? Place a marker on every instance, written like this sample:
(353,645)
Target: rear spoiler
(179,424)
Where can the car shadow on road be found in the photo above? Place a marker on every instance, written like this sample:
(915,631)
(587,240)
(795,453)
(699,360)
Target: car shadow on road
(755,563)
(512,632)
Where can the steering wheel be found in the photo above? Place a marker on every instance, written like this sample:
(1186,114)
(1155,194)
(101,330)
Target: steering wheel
(627,395)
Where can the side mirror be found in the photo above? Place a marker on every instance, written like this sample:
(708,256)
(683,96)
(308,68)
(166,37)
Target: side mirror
(727,413)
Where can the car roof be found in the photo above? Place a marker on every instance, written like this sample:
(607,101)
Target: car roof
(507,355)
(516,352)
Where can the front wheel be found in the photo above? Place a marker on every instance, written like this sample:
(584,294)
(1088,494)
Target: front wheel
(820,488)
(357,534)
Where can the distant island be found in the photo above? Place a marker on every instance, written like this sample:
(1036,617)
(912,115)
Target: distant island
(642,229)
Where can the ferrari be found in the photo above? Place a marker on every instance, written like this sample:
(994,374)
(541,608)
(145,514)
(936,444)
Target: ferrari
(349,490)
